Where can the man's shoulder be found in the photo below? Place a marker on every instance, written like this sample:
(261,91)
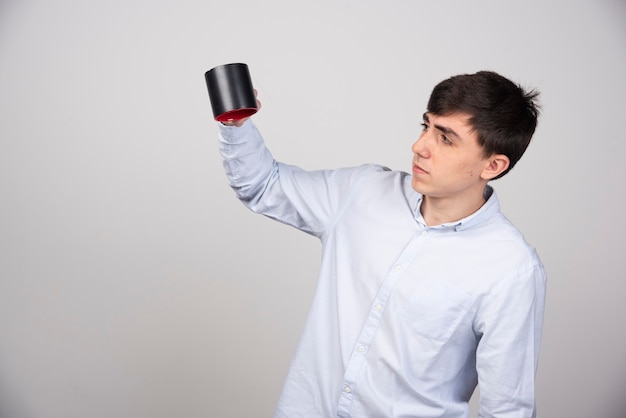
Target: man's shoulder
(379,172)
(504,238)
(369,174)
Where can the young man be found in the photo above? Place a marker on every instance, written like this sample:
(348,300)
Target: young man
(426,290)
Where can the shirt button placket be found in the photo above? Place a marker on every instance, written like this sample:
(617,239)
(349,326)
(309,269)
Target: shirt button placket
(345,401)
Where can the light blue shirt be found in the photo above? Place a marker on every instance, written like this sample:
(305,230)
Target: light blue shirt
(407,318)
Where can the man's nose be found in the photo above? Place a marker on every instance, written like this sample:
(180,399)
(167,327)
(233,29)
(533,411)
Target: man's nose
(420,147)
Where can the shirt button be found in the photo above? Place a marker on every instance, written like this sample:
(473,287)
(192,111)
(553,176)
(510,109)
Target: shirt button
(378,307)
(398,269)
(424,233)
(347,389)
(361,349)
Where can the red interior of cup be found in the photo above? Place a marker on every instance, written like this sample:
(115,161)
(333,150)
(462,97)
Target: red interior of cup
(236,114)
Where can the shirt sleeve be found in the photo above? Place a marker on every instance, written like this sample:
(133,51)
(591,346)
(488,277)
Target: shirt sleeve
(307,200)
(511,321)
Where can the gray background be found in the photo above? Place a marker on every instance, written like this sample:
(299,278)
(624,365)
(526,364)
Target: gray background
(133,284)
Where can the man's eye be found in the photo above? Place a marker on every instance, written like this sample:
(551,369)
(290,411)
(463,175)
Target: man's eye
(424,127)
(446,140)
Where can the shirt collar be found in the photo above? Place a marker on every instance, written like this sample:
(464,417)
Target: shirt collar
(491,207)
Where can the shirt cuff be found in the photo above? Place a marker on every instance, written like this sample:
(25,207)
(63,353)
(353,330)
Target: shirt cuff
(235,134)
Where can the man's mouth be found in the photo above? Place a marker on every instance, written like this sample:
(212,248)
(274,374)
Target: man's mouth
(418,170)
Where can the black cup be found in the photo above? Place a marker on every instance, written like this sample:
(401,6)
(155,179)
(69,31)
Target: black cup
(231,92)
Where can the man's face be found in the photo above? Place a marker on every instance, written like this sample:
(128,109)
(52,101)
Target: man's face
(448,163)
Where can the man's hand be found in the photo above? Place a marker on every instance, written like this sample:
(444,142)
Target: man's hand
(239,122)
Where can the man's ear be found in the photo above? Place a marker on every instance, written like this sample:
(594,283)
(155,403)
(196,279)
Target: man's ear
(496,164)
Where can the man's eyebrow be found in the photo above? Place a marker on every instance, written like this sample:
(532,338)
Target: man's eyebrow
(447,131)
(444,129)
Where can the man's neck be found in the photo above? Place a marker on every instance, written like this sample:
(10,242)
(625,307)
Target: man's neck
(438,211)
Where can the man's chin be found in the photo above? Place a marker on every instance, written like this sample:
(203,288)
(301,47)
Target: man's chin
(418,186)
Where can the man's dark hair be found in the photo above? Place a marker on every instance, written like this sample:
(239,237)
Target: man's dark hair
(503,113)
